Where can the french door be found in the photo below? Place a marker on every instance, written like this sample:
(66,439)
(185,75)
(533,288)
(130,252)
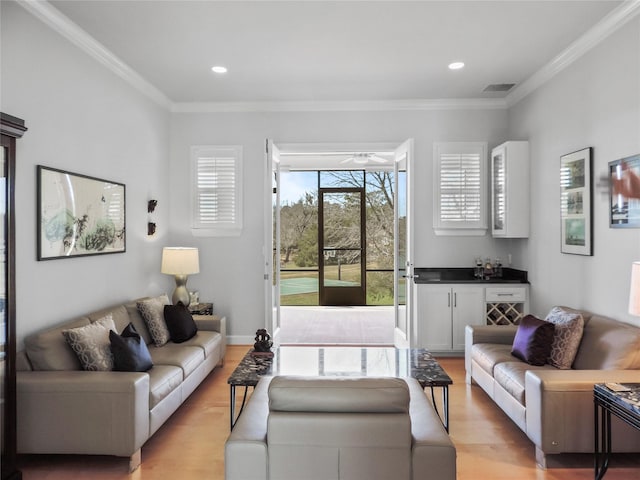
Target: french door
(403,241)
(272,241)
(403,245)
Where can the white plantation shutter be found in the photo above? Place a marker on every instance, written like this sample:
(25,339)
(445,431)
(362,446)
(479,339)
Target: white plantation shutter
(460,203)
(216,190)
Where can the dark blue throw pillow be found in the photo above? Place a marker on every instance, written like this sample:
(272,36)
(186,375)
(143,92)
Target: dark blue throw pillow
(130,353)
(533,340)
(179,322)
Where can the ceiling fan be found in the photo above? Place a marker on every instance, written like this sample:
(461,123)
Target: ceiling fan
(364,158)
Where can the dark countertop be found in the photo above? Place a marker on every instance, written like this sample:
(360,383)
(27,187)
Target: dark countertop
(465,275)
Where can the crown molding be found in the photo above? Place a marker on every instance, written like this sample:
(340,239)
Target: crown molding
(51,16)
(605,27)
(341,106)
(48,14)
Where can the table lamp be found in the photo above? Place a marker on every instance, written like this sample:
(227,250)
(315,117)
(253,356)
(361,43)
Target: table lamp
(180,262)
(634,291)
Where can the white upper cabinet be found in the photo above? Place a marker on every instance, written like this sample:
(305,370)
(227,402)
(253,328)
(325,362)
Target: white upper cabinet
(460,186)
(510,201)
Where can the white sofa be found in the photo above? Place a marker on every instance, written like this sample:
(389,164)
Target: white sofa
(323,428)
(64,409)
(555,407)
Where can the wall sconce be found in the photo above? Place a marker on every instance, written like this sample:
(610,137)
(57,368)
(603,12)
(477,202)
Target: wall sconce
(151,225)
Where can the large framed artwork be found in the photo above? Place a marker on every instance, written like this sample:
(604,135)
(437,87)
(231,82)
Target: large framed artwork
(624,193)
(575,202)
(79,215)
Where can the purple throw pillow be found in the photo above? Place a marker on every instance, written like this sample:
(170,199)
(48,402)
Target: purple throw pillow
(533,340)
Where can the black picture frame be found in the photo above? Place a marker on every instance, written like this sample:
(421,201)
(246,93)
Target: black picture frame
(79,215)
(576,202)
(624,210)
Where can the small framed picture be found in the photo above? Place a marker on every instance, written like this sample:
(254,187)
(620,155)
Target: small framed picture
(624,193)
(575,202)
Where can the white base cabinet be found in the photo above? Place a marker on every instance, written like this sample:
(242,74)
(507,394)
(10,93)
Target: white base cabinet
(443,312)
(506,305)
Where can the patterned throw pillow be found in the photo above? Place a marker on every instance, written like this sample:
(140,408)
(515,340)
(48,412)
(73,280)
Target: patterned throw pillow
(91,344)
(566,337)
(152,310)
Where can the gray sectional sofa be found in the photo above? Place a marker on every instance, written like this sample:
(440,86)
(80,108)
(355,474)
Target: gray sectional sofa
(63,409)
(554,407)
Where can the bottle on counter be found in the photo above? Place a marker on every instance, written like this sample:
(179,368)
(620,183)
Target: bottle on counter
(498,268)
(488,269)
(479,270)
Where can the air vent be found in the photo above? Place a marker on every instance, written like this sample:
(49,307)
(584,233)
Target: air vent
(499,87)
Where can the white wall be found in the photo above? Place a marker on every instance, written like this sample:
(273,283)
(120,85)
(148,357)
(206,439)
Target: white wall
(594,103)
(81,118)
(231,271)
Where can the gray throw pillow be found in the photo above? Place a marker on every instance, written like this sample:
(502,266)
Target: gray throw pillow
(152,310)
(566,337)
(91,344)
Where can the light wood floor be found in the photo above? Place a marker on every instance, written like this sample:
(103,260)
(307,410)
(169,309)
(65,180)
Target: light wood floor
(190,445)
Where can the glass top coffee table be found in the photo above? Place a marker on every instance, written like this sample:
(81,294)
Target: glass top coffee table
(343,362)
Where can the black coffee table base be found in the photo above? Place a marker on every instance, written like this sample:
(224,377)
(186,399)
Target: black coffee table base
(416,362)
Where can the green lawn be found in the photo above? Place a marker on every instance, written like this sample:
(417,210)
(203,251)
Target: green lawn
(301,287)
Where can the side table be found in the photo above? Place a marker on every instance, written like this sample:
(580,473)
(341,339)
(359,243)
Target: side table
(625,406)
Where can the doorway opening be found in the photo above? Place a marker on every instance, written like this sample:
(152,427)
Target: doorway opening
(339,242)
(341,247)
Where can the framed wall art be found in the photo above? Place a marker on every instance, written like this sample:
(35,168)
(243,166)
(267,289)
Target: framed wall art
(624,193)
(79,215)
(575,202)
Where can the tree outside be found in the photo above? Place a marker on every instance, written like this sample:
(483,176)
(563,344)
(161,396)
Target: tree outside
(299,235)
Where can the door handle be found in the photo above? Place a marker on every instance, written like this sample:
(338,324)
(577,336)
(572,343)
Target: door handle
(449,299)
(455,299)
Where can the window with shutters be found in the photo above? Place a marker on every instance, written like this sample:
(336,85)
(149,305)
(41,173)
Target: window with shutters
(460,186)
(216,190)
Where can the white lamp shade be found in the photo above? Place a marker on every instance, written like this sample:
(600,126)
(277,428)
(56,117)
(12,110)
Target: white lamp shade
(180,261)
(634,291)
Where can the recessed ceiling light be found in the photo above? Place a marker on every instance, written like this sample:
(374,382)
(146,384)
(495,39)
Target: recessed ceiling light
(456,65)
(219,69)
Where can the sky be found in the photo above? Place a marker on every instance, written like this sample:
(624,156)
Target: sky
(293,186)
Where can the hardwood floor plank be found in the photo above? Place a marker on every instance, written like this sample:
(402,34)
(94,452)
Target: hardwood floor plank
(190,445)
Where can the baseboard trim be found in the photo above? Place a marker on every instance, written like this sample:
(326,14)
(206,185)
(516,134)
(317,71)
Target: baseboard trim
(240,340)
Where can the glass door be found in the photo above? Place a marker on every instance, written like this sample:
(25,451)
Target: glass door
(403,246)
(272,241)
(498,183)
(341,241)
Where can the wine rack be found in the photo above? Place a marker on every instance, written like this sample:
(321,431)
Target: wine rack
(504,313)
(506,305)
